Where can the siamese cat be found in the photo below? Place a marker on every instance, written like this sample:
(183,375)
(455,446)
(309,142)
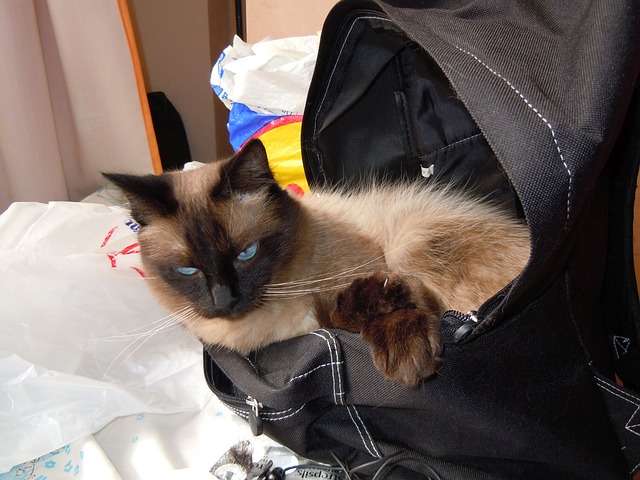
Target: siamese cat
(247,263)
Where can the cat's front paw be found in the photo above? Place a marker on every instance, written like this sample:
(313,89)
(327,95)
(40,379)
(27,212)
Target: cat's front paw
(370,297)
(405,344)
(400,318)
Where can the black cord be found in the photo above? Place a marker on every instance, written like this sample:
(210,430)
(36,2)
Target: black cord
(386,460)
(342,465)
(383,466)
(394,462)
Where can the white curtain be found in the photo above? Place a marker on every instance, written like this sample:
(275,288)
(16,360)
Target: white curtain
(69,103)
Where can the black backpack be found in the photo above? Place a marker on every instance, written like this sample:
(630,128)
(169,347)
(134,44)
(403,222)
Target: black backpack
(534,104)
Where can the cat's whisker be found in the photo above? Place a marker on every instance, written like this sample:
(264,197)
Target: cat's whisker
(143,329)
(293,293)
(352,272)
(348,273)
(189,317)
(311,282)
(124,350)
(127,357)
(326,288)
(169,322)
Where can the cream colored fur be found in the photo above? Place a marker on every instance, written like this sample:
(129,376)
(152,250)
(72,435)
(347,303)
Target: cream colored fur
(462,249)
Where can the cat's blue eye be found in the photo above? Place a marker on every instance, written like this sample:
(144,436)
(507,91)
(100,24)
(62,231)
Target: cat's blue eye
(248,253)
(187,270)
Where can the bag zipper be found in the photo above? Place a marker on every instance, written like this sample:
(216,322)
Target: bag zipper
(465,323)
(255,422)
(468,322)
(248,404)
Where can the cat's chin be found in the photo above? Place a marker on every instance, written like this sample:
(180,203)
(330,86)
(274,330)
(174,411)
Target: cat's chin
(226,315)
(242,334)
(256,327)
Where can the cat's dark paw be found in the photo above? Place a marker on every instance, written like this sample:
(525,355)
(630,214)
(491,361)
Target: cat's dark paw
(368,297)
(405,344)
(399,317)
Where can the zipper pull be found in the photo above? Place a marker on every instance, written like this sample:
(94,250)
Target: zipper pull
(255,422)
(470,323)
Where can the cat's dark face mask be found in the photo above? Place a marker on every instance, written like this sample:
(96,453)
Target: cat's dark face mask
(224,273)
(213,251)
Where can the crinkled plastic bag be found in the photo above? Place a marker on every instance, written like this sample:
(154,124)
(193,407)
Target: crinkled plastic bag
(270,77)
(264,81)
(82,341)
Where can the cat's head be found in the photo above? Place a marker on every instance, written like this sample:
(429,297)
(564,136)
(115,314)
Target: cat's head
(213,237)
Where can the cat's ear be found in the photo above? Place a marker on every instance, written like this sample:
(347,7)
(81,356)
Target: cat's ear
(149,195)
(247,171)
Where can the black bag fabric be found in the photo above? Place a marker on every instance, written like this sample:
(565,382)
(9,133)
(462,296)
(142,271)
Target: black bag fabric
(528,102)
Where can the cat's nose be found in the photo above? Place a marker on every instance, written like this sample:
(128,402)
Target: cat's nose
(222,296)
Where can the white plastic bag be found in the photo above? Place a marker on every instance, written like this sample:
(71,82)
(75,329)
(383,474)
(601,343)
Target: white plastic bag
(270,77)
(76,318)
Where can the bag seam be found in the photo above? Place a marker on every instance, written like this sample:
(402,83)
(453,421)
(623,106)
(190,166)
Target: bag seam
(339,394)
(324,365)
(613,390)
(269,416)
(334,354)
(529,104)
(373,451)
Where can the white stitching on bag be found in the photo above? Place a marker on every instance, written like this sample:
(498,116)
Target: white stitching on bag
(335,365)
(304,375)
(338,393)
(619,393)
(268,416)
(546,122)
(374,449)
(283,415)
